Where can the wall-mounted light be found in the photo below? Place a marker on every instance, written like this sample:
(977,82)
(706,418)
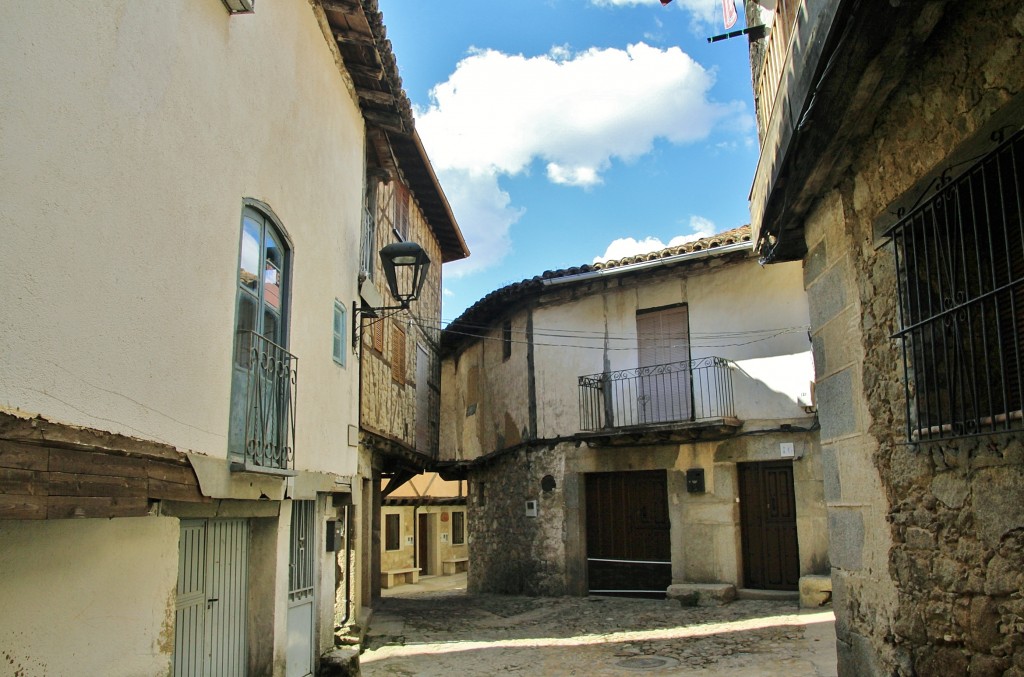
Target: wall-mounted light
(240,6)
(404,256)
(404,287)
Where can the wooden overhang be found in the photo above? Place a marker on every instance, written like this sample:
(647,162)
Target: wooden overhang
(846,59)
(359,31)
(55,471)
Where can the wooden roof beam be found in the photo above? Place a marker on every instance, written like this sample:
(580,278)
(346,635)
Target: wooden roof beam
(354,38)
(343,6)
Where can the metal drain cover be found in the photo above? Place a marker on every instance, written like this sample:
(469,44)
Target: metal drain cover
(647,663)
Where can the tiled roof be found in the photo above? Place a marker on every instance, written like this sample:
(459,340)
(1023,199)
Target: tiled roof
(483,312)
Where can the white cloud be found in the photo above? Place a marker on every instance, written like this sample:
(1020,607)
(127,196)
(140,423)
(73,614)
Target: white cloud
(627,246)
(703,13)
(575,112)
(447,293)
(485,215)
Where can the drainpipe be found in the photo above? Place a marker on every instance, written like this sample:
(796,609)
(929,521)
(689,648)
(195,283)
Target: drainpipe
(348,565)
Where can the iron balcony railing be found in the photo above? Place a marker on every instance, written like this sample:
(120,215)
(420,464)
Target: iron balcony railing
(693,390)
(270,390)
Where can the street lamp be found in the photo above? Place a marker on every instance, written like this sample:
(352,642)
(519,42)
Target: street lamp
(404,256)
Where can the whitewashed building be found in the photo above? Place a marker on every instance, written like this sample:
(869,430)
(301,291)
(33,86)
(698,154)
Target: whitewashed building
(639,423)
(185,186)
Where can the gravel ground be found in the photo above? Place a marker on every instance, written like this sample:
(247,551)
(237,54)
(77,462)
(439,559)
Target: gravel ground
(447,633)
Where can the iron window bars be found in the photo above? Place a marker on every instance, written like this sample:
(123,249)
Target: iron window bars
(960,280)
(690,390)
(270,396)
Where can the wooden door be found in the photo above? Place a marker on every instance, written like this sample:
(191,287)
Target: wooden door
(423,545)
(771,556)
(663,356)
(628,544)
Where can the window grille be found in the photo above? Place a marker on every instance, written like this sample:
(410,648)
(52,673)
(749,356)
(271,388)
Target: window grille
(960,277)
(458,528)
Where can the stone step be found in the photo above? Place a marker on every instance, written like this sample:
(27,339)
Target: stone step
(768,595)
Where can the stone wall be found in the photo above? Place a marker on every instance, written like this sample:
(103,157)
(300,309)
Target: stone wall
(927,540)
(546,555)
(510,552)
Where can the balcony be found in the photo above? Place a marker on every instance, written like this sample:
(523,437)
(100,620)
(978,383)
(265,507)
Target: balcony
(263,434)
(675,401)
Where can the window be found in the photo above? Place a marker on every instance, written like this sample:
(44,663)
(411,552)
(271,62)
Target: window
(368,243)
(663,368)
(506,340)
(377,335)
(397,353)
(340,324)
(458,528)
(401,222)
(960,280)
(261,429)
(392,532)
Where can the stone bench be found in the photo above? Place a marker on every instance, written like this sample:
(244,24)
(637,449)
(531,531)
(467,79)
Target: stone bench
(454,565)
(388,578)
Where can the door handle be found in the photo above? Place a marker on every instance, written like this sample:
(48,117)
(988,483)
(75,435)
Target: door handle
(211,601)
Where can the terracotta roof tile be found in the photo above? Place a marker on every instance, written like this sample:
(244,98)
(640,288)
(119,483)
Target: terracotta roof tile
(481,313)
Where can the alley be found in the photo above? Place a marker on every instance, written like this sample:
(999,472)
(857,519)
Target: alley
(437,629)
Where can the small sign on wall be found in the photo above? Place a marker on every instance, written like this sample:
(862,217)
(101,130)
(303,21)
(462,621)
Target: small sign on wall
(786,450)
(409,540)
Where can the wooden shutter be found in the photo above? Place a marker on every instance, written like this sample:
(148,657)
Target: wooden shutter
(663,338)
(398,353)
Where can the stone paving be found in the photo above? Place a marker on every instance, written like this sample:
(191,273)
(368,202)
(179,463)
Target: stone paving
(447,632)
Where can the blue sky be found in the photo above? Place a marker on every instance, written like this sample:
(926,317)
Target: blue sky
(565,130)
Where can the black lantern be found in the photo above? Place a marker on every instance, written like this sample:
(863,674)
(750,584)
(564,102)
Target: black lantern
(405,256)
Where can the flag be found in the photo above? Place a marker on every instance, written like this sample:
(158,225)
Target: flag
(728,12)
(665,2)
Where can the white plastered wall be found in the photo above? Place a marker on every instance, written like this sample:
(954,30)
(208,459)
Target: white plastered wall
(130,132)
(728,313)
(79,574)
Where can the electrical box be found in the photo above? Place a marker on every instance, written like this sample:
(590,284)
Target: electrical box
(695,481)
(334,534)
(531,508)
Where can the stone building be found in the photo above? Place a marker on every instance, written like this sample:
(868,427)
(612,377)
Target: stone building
(423,530)
(891,166)
(398,343)
(622,425)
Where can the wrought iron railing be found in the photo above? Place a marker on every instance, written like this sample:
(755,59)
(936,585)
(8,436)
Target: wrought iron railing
(270,390)
(960,272)
(694,390)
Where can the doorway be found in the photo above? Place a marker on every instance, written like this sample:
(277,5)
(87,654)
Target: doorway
(210,604)
(771,554)
(423,549)
(628,541)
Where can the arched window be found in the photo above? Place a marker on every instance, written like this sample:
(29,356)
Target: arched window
(262,278)
(261,435)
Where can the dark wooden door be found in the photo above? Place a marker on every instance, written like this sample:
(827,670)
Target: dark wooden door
(628,544)
(423,545)
(771,558)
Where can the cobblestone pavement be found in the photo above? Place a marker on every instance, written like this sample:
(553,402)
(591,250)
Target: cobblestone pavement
(448,633)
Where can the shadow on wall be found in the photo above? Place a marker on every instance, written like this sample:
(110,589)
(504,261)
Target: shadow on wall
(775,387)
